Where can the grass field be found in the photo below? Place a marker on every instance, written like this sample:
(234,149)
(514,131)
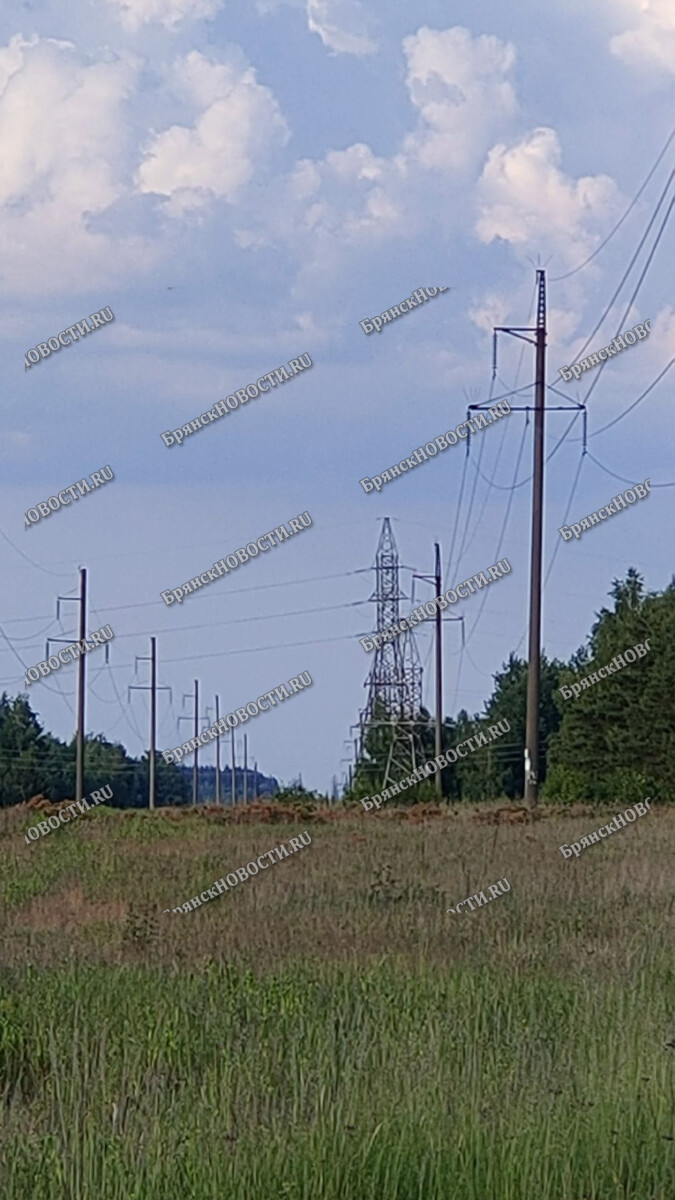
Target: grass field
(326,1031)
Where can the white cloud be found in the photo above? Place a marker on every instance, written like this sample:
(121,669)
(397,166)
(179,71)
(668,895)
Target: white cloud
(239,125)
(134,13)
(460,86)
(353,198)
(525,199)
(341,25)
(62,132)
(651,44)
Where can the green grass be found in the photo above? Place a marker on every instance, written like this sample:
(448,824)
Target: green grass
(319,1036)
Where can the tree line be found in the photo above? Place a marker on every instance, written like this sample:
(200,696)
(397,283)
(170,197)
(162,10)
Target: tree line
(34,762)
(612,740)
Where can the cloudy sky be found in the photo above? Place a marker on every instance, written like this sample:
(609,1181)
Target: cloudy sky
(244,182)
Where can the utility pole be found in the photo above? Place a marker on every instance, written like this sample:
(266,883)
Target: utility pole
(534,646)
(439,671)
(255,782)
(245,769)
(437,580)
(534,652)
(218,798)
(81,692)
(195,768)
(152,756)
(234,774)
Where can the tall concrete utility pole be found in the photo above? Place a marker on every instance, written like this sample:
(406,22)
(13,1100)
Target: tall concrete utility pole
(534,651)
(82,625)
(245,769)
(195,768)
(534,645)
(153,689)
(437,580)
(81,690)
(218,798)
(234,773)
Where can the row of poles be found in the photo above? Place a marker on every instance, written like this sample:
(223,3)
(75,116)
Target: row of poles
(153,688)
(531,750)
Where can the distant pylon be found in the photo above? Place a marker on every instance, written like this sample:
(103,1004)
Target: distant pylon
(394,682)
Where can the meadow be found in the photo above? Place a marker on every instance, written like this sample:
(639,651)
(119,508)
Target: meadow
(326,1031)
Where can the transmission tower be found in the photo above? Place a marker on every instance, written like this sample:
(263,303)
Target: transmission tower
(394,682)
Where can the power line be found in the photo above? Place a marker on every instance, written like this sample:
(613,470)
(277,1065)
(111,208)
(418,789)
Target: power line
(622,478)
(233,592)
(275,616)
(635,403)
(626,273)
(631,206)
(38,566)
(243,650)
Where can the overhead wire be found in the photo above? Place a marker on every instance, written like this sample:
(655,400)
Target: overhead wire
(33,563)
(622,478)
(631,206)
(641,279)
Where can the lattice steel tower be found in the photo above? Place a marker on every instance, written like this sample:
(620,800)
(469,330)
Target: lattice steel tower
(394,682)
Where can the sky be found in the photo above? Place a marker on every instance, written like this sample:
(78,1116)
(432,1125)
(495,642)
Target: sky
(242,183)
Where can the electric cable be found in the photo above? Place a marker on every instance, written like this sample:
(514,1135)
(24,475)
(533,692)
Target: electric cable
(631,206)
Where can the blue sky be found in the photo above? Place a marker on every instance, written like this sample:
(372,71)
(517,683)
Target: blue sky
(245,183)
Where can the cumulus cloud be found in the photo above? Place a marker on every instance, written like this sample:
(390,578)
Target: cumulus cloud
(61,128)
(341,25)
(239,125)
(344,201)
(134,13)
(651,43)
(460,86)
(526,199)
